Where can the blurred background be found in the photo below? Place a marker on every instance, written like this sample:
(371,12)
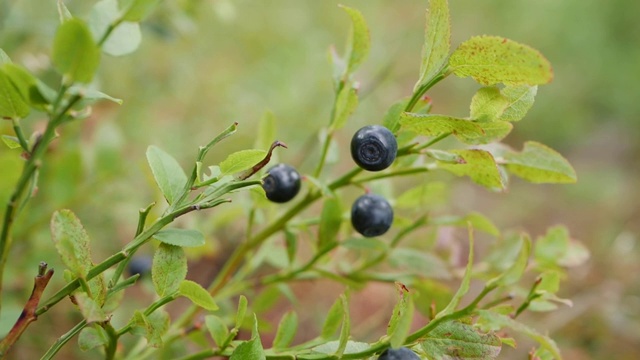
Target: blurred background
(205,64)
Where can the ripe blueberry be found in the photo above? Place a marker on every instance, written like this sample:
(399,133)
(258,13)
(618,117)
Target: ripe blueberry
(371,215)
(140,265)
(374,147)
(402,353)
(282,183)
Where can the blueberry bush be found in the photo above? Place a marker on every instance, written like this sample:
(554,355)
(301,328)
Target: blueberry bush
(298,226)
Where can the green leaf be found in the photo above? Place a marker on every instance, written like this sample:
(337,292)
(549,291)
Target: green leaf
(345,329)
(90,309)
(217,329)
(549,282)
(488,104)
(346,104)
(180,237)
(392,118)
(333,320)
(477,221)
(426,195)
(479,165)
(553,246)
(122,40)
(136,10)
(493,131)
(71,241)
(424,264)
(240,161)
(286,330)
(75,54)
(91,338)
(266,300)
(153,326)
(242,310)
(520,100)
(197,294)
(455,340)
(12,104)
(434,125)
(538,163)
(4,58)
(330,221)
(167,172)
(359,42)
(437,39)
(515,272)
(28,86)
(169,269)
(505,321)
(464,285)
(332,346)
(91,95)
(291,239)
(63,12)
(430,292)
(400,322)
(12,142)
(251,349)
(491,60)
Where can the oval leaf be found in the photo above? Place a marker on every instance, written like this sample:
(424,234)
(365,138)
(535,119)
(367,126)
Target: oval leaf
(437,39)
(169,269)
(240,161)
(538,163)
(400,322)
(75,54)
(491,60)
(434,125)
(359,42)
(455,340)
(217,329)
(91,338)
(197,294)
(122,40)
(520,100)
(286,330)
(168,174)
(12,104)
(479,165)
(180,237)
(330,221)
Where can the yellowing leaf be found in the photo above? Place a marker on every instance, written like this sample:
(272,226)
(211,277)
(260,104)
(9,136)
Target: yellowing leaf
(538,163)
(434,125)
(479,165)
(455,340)
(488,104)
(491,60)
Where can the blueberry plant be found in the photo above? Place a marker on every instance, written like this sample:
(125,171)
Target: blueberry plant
(517,274)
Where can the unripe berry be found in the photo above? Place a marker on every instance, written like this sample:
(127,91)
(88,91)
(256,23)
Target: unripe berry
(371,215)
(282,183)
(374,148)
(402,353)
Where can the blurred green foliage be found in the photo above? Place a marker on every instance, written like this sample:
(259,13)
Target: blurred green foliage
(205,64)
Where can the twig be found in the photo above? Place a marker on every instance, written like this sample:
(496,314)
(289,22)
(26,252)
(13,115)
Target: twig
(29,312)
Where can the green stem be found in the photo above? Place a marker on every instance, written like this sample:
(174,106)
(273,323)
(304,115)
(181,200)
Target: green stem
(423,89)
(530,297)
(399,172)
(111,347)
(30,167)
(53,350)
(294,273)
(20,135)
(149,310)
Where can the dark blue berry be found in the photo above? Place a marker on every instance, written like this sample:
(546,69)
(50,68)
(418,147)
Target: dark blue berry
(374,148)
(371,215)
(140,265)
(402,353)
(282,183)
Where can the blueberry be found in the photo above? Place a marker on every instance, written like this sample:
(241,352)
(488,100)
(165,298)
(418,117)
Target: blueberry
(402,353)
(282,183)
(371,215)
(374,148)
(140,265)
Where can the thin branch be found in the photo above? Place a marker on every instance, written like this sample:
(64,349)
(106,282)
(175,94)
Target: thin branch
(29,312)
